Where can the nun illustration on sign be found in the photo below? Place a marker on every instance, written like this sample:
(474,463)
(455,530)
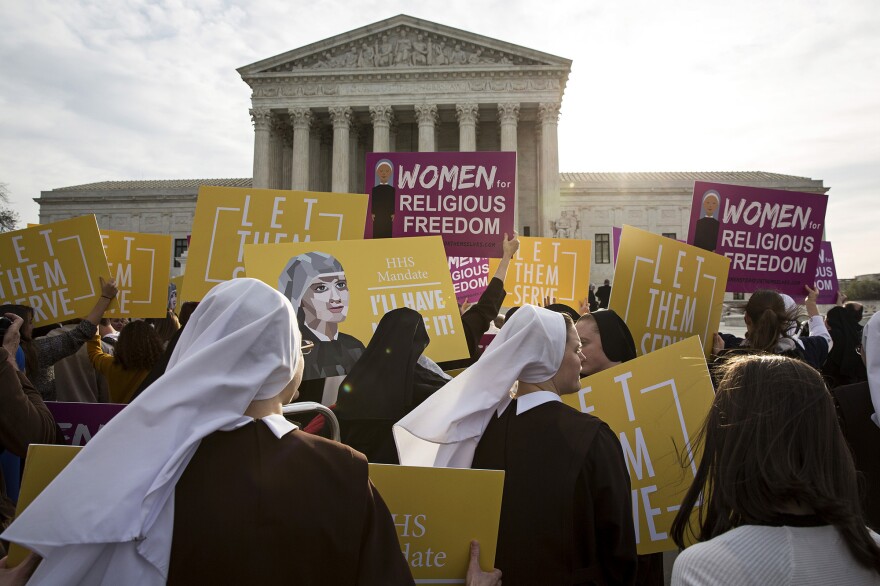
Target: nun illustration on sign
(383,199)
(706,232)
(316,285)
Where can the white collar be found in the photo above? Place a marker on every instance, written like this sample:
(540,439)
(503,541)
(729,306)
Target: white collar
(531,400)
(323,337)
(279,425)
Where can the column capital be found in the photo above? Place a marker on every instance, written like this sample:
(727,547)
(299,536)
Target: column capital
(548,112)
(300,118)
(467,113)
(382,115)
(340,116)
(508,112)
(261,118)
(426,114)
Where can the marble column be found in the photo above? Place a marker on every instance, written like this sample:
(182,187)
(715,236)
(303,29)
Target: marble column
(548,201)
(340,116)
(277,129)
(286,158)
(316,155)
(508,117)
(353,139)
(262,119)
(426,114)
(382,117)
(467,115)
(301,120)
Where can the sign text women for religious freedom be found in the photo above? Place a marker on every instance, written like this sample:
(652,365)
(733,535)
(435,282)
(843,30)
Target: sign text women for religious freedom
(467,198)
(771,236)
(228,218)
(53,268)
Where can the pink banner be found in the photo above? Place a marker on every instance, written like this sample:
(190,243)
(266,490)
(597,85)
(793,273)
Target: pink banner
(79,422)
(615,242)
(771,236)
(470,277)
(826,276)
(467,198)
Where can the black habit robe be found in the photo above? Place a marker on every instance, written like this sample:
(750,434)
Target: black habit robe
(382,208)
(251,508)
(566,512)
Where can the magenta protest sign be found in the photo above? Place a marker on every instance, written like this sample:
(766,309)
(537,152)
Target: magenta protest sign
(79,422)
(826,276)
(467,198)
(615,241)
(470,277)
(771,236)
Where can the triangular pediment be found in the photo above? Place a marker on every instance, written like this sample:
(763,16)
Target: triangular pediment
(403,42)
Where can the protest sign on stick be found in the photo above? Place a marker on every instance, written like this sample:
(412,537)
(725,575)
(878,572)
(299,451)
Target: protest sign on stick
(342,289)
(548,267)
(54,268)
(771,236)
(826,276)
(655,405)
(141,265)
(228,218)
(467,198)
(667,291)
(437,512)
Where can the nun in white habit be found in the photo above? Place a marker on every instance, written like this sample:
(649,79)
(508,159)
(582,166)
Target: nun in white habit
(566,513)
(109,517)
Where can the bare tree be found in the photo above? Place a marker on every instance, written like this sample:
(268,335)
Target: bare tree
(8,217)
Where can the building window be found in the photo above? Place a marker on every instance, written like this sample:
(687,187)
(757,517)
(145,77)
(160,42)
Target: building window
(670,235)
(603,249)
(180,246)
(739,296)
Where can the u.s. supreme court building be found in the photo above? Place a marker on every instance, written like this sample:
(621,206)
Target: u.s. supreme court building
(405,84)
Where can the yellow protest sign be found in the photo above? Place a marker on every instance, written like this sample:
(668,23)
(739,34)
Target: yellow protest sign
(42,465)
(548,267)
(656,405)
(437,512)
(228,218)
(54,268)
(342,289)
(141,264)
(666,290)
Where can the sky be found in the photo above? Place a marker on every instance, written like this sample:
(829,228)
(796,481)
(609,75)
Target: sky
(123,89)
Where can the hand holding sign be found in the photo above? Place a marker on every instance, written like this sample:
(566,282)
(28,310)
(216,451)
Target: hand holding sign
(476,576)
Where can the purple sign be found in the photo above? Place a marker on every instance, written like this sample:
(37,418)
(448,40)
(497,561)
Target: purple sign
(467,198)
(615,241)
(826,276)
(470,277)
(771,236)
(79,422)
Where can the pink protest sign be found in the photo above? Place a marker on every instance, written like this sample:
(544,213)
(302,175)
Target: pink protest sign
(470,277)
(467,198)
(771,236)
(79,422)
(826,276)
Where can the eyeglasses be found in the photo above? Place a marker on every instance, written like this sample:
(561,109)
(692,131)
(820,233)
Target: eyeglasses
(306,346)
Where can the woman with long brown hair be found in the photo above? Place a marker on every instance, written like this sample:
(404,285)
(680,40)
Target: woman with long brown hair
(776,493)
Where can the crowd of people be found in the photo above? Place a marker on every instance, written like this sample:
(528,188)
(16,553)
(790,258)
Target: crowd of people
(201,479)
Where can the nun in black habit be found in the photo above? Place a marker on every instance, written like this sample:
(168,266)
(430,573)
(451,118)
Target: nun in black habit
(389,380)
